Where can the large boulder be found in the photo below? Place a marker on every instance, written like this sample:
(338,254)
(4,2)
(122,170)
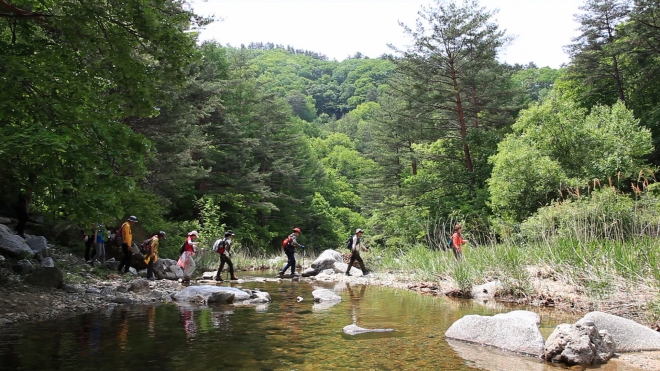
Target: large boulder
(37,243)
(326,260)
(46,277)
(22,267)
(13,245)
(163,269)
(325,296)
(579,344)
(629,336)
(356,330)
(516,331)
(205,291)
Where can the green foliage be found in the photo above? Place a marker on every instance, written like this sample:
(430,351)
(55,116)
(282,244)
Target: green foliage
(71,71)
(557,145)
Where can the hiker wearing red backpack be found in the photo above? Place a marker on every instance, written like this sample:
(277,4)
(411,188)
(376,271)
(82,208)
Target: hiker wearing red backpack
(289,246)
(222,247)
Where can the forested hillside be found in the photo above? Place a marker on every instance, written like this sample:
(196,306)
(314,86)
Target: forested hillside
(109,110)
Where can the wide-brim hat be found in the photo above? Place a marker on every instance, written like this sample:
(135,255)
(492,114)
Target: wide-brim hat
(132,218)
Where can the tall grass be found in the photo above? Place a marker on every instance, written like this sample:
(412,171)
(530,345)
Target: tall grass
(601,243)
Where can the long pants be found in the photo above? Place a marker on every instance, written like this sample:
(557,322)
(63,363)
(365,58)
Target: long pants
(90,251)
(355,256)
(225,259)
(457,253)
(100,252)
(150,269)
(291,262)
(22,215)
(189,264)
(126,260)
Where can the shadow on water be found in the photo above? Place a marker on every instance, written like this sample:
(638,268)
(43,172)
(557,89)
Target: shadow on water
(283,335)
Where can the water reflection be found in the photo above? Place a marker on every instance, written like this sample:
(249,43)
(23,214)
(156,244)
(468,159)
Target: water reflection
(283,335)
(355,295)
(188,318)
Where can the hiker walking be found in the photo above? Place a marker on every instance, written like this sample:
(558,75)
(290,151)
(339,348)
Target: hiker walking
(90,243)
(289,247)
(152,254)
(21,209)
(100,237)
(355,252)
(186,261)
(127,243)
(222,247)
(457,242)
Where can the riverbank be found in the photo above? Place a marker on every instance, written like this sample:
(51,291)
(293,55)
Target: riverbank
(85,285)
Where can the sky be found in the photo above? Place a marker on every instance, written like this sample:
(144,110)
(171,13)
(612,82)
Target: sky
(341,28)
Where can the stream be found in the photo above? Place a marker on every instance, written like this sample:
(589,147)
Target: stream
(283,335)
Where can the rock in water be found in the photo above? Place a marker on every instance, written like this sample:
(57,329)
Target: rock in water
(579,344)
(516,331)
(325,296)
(629,336)
(355,330)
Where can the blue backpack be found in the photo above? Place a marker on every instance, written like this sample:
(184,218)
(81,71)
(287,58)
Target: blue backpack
(451,243)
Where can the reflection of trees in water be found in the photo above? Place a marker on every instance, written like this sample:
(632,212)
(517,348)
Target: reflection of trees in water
(356,296)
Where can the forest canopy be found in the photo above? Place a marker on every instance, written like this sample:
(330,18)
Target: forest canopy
(110,109)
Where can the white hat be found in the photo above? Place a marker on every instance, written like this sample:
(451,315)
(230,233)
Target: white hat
(193,233)
(359,230)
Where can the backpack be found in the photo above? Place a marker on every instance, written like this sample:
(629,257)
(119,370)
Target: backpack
(287,242)
(451,243)
(183,248)
(219,246)
(145,246)
(349,243)
(101,232)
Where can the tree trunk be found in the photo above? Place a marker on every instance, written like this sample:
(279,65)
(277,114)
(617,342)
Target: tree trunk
(461,119)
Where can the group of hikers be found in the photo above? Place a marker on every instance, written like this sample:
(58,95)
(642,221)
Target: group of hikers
(222,247)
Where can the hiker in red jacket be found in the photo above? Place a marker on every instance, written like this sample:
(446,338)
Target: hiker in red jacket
(290,251)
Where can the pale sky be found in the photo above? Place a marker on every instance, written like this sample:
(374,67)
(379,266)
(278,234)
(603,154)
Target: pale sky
(340,28)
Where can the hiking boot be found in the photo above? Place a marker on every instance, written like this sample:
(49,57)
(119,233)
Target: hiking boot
(364,273)
(234,279)
(218,279)
(348,274)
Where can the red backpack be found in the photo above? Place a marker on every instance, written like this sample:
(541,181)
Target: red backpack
(286,242)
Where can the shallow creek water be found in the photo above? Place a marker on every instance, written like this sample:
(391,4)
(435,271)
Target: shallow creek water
(282,335)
